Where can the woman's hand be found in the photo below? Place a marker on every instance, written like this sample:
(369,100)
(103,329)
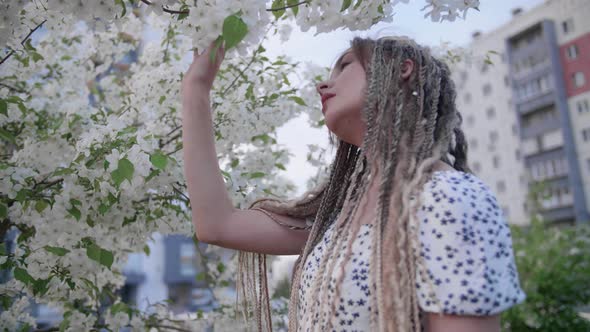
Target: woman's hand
(201,73)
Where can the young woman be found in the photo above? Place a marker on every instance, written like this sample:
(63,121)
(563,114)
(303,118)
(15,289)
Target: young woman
(401,237)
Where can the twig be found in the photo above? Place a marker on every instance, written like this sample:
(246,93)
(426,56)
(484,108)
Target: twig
(23,41)
(13,88)
(169,327)
(172,11)
(171,139)
(289,6)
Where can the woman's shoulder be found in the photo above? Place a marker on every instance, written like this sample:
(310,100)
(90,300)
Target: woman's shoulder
(458,189)
(467,247)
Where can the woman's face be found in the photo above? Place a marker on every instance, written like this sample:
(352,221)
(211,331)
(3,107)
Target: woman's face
(342,97)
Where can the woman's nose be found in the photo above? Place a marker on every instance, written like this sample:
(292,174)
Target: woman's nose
(320,87)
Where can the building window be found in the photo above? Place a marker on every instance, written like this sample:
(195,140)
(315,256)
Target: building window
(493,136)
(473,143)
(517,154)
(586,134)
(514,129)
(470,120)
(588,164)
(187,259)
(491,112)
(506,80)
(533,88)
(501,186)
(567,26)
(476,167)
(467,98)
(572,51)
(505,211)
(463,75)
(487,89)
(583,106)
(579,79)
(496,161)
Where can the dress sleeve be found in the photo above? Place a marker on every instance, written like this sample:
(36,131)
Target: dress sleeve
(466,249)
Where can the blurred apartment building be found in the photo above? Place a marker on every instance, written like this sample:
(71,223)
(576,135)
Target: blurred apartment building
(526,115)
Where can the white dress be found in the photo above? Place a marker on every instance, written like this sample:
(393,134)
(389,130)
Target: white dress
(467,247)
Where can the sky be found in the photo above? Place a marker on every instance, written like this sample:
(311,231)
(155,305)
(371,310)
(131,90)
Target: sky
(408,20)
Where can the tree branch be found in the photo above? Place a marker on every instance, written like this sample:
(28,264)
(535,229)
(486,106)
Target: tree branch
(170,327)
(172,11)
(289,6)
(22,42)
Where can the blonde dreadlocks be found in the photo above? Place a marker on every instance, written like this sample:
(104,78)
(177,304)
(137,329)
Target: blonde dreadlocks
(411,124)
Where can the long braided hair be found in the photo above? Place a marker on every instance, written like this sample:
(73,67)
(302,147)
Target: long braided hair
(411,124)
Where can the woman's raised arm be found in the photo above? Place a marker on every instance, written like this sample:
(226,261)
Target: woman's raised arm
(214,217)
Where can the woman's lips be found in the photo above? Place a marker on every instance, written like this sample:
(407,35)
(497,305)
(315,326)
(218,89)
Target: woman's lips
(324,99)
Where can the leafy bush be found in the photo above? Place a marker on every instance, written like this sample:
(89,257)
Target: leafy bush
(554,269)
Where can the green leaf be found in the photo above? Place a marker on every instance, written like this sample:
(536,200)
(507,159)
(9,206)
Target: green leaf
(28,46)
(278,4)
(159,160)
(234,162)
(220,267)
(7,136)
(3,107)
(5,301)
(90,221)
(321,122)
(184,8)
(121,307)
(3,211)
(161,100)
(75,213)
(100,255)
(126,168)
(294,7)
(36,56)
(281,166)
(40,286)
(345,5)
(298,100)
(41,205)
(257,175)
(124,171)
(64,325)
(146,249)
(25,327)
(263,137)
(216,46)
(22,275)
(56,250)
(233,31)
(122,4)
(103,208)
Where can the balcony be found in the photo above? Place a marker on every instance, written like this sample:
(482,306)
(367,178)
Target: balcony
(133,270)
(559,214)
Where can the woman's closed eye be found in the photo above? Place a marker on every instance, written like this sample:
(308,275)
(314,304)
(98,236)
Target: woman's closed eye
(344,65)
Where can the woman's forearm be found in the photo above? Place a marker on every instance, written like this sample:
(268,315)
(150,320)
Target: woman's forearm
(210,202)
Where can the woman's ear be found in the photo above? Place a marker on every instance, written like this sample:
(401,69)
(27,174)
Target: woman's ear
(407,68)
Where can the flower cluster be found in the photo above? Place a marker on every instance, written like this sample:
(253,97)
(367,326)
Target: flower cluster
(90,114)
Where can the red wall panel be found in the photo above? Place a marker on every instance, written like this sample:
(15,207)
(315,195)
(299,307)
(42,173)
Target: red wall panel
(580,64)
